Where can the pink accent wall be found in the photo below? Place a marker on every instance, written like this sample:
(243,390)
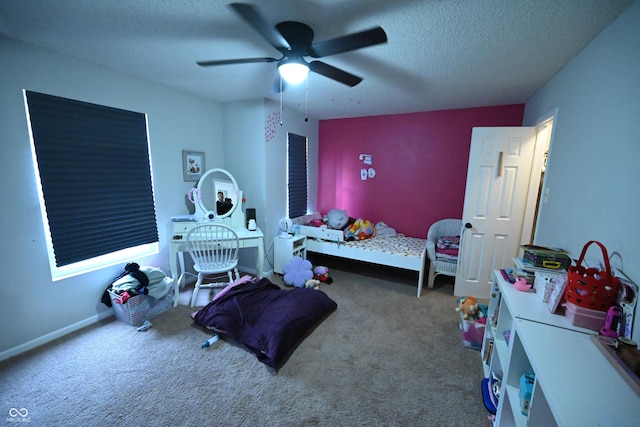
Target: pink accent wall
(420,162)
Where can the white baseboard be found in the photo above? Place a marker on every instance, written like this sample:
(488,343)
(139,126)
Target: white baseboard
(254,272)
(54,335)
(245,269)
(79,325)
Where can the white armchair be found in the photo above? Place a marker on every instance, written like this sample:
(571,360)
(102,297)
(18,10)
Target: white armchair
(441,265)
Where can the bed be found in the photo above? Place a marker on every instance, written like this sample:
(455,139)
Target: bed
(269,321)
(398,251)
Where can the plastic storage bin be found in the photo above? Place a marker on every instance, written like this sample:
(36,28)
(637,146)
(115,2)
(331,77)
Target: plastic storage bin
(139,308)
(472,333)
(585,317)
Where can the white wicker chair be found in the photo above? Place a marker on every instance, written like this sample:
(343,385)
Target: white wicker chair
(443,227)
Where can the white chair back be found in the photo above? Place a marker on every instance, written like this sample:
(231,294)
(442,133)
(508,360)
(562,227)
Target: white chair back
(213,247)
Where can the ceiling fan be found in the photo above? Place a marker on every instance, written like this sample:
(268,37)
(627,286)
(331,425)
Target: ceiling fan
(294,41)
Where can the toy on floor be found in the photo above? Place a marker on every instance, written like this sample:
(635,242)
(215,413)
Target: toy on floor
(312,283)
(145,326)
(321,273)
(297,272)
(469,308)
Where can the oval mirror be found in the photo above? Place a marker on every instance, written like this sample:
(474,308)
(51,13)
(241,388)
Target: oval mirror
(218,193)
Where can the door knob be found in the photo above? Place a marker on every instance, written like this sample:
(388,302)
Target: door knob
(468,225)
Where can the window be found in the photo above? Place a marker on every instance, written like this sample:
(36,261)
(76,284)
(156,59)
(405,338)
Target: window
(296,175)
(93,171)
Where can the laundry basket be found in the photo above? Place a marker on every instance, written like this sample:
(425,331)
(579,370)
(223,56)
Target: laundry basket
(137,309)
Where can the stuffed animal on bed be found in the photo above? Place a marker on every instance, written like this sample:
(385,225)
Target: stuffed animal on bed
(361,229)
(297,272)
(337,219)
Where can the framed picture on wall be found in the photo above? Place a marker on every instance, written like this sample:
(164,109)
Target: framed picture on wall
(192,165)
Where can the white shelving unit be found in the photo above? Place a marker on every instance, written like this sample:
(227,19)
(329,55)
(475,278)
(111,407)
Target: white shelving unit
(574,383)
(284,249)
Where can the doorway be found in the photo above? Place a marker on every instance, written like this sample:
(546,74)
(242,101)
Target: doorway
(538,192)
(505,191)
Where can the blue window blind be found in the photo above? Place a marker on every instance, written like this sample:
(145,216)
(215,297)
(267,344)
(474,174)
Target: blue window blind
(297,175)
(95,175)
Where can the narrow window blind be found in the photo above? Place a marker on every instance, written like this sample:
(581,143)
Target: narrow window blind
(95,176)
(297,175)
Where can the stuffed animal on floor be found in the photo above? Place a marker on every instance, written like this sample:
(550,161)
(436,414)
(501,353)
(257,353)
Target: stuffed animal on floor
(312,283)
(321,274)
(469,308)
(297,272)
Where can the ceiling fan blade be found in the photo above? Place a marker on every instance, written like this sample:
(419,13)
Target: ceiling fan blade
(349,42)
(234,61)
(254,18)
(334,73)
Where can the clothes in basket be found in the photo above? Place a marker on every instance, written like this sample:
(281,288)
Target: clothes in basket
(140,293)
(135,310)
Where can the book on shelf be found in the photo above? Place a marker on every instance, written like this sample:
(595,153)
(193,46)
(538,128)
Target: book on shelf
(494,319)
(486,357)
(508,275)
(525,266)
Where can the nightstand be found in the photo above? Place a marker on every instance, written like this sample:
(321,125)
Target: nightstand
(284,249)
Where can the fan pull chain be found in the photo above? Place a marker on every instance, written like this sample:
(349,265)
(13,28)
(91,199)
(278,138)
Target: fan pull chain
(306,100)
(280,100)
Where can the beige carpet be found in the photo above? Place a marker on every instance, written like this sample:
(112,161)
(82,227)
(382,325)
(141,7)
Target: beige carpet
(384,358)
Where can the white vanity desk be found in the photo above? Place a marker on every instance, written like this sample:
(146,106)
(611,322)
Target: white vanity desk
(248,239)
(204,196)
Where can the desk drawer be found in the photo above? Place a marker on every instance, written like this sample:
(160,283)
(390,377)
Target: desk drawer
(183,227)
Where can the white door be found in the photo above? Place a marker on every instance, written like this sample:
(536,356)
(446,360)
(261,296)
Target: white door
(495,198)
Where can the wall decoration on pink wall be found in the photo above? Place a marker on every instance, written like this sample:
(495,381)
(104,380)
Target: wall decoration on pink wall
(366,173)
(367,159)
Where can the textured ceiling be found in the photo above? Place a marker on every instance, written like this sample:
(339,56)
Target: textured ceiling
(441,54)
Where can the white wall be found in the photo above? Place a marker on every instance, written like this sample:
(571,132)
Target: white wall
(33,309)
(276,156)
(593,172)
(256,153)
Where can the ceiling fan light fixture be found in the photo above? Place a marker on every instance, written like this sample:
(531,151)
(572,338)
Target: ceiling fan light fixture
(293,72)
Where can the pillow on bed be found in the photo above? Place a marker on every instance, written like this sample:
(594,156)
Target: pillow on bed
(337,219)
(271,322)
